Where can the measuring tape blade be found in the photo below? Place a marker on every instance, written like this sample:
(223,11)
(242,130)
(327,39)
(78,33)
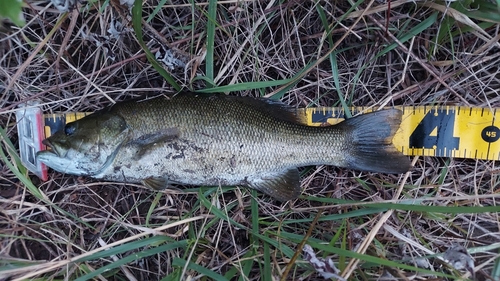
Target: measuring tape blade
(439,131)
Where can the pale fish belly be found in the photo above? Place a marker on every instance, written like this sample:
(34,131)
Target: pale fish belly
(203,160)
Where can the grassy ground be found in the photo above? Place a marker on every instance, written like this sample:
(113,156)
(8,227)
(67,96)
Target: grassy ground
(306,53)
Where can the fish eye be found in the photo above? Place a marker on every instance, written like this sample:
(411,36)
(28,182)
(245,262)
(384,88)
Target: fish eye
(69,129)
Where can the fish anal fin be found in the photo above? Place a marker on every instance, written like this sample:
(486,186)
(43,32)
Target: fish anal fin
(282,186)
(156,183)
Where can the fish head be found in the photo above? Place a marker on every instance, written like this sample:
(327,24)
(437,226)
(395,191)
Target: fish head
(86,146)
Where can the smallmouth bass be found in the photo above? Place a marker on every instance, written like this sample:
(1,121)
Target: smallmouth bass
(201,139)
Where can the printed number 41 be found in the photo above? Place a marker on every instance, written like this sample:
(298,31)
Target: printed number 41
(435,131)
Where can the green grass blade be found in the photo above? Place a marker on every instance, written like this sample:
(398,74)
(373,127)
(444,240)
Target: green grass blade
(209,59)
(334,217)
(198,268)
(174,276)
(419,28)
(248,264)
(378,261)
(287,251)
(12,9)
(152,207)
(231,273)
(156,10)
(267,262)
(18,169)
(344,246)
(134,257)
(481,10)
(150,241)
(21,173)
(426,23)
(411,205)
(495,272)
(218,213)
(294,80)
(333,59)
(137,25)
(12,151)
(435,209)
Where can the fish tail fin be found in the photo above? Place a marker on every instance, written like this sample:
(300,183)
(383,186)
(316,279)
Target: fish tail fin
(370,142)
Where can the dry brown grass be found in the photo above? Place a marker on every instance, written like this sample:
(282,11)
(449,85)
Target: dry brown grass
(70,63)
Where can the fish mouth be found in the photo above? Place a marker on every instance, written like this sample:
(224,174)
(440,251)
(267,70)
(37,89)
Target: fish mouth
(52,147)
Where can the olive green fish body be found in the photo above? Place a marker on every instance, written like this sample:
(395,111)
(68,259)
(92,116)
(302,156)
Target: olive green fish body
(224,140)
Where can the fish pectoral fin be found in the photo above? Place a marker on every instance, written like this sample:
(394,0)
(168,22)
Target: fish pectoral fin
(282,186)
(148,142)
(156,183)
(163,135)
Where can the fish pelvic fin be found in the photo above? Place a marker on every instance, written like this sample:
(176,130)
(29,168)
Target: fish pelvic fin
(370,142)
(282,186)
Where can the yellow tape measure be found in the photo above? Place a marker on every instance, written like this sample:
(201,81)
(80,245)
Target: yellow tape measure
(441,131)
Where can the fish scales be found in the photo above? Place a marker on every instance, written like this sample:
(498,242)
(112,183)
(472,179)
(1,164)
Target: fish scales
(220,140)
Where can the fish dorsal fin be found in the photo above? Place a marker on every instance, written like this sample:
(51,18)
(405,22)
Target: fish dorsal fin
(282,186)
(272,108)
(156,183)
